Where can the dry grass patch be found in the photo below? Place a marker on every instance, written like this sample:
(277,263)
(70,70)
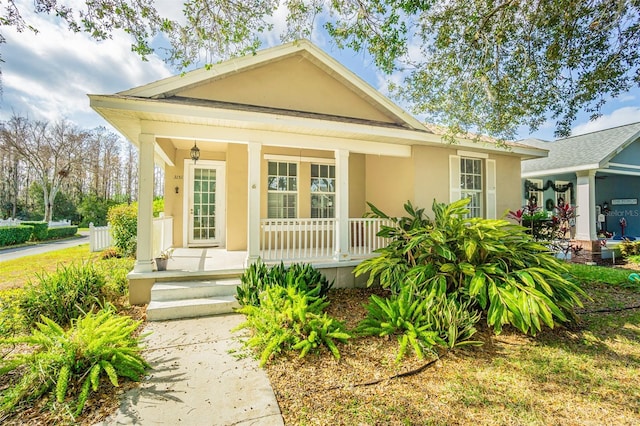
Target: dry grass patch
(585,375)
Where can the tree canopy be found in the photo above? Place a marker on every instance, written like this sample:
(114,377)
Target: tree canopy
(482,65)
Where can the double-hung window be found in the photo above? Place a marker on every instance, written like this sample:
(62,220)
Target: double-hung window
(323,190)
(471,184)
(282,190)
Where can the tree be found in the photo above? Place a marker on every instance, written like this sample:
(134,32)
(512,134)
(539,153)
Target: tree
(469,64)
(51,151)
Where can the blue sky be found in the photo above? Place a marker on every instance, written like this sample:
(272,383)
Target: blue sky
(48,75)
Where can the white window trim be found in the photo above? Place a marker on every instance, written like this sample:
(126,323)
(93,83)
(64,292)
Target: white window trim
(294,159)
(297,191)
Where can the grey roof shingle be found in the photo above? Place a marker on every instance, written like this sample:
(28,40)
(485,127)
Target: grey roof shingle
(582,152)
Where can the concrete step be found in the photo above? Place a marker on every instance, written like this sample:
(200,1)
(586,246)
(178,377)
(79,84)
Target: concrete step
(182,290)
(190,308)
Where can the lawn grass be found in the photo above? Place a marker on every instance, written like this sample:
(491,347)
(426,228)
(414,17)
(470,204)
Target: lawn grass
(582,273)
(16,273)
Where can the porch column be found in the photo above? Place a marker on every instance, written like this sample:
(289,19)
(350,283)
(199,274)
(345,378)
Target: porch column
(144,254)
(585,206)
(253,205)
(342,204)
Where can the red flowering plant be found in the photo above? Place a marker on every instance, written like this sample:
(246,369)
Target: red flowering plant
(563,221)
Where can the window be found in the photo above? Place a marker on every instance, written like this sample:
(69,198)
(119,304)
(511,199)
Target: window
(323,190)
(471,184)
(282,187)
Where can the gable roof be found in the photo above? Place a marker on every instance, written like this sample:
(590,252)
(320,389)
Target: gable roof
(183,86)
(590,151)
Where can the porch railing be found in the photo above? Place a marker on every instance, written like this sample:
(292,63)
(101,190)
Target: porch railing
(300,239)
(363,236)
(162,234)
(294,239)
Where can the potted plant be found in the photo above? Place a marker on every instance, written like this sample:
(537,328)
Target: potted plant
(163,258)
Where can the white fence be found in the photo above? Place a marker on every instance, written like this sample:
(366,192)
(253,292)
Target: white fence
(99,237)
(297,239)
(16,222)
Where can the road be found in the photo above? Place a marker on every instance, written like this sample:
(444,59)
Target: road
(17,252)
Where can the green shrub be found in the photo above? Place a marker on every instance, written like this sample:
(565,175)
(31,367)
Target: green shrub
(61,232)
(124,227)
(420,323)
(115,271)
(291,319)
(40,230)
(10,235)
(11,318)
(259,277)
(493,263)
(70,364)
(629,248)
(63,295)
(158,206)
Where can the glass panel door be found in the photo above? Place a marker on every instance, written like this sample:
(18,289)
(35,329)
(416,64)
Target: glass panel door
(206,210)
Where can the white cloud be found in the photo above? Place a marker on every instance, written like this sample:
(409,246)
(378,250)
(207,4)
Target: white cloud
(49,74)
(618,117)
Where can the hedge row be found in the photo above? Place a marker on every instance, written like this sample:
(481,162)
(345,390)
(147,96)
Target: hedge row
(61,232)
(10,235)
(39,230)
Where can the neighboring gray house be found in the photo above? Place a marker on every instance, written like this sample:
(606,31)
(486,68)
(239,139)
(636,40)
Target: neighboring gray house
(598,172)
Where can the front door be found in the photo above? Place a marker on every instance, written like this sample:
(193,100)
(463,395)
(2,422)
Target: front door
(205,208)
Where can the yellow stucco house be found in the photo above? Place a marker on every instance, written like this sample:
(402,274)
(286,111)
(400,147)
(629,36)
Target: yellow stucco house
(292,146)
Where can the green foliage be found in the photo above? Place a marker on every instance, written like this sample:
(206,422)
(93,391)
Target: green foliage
(40,230)
(492,263)
(291,318)
(115,271)
(587,274)
(629,248)
(420,323)
(259,277)
(94,209)
(10,235)
(63,295)
(158,206)
(124,227)
(11,318)
(61,232)
(71,364)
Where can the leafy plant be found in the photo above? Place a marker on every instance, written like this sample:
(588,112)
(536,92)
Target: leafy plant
(290,318)
(63,295)
(492,263)
(11,318)
(629,248)
(420,323)
(124,227)
(259,277)
(70,364)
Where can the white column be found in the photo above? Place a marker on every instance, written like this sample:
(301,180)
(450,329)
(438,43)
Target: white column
(342,204)
(585,206)
(144,255)
(253,204)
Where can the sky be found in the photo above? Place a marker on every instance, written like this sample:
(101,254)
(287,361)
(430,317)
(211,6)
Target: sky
(48,75)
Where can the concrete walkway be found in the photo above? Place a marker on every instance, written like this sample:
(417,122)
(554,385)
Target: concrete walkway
(196,381)
(12,253)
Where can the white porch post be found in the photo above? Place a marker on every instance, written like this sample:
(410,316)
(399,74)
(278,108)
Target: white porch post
(342,204)
(145,204)
(585,203)
(253,205)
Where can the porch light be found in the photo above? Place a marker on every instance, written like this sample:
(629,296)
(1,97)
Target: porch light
(195,152)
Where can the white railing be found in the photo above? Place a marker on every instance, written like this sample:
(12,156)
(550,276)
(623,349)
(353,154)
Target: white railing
(99,237)
(162,234)
(296,239)
(10,222)
(300,239)
(363,236)
(60,223)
